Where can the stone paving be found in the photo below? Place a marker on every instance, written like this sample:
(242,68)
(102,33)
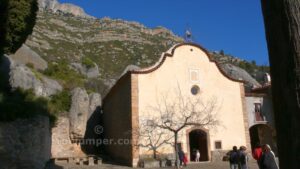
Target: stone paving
(204,165)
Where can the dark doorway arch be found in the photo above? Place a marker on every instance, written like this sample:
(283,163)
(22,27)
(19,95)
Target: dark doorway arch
(198,141)
(263,134)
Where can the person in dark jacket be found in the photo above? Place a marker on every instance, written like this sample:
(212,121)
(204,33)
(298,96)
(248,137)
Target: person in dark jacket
(243,158)
(181,157)
(233,158)
(268,159)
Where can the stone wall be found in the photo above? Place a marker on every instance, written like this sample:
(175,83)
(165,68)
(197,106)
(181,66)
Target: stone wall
(218,155)
(61,142)
(25,143)
(266,109)
(74,134)
(117,121)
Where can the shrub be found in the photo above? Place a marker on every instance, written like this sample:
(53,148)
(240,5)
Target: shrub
(68,77)
(87,62)
(21,104)
(30,65)
(16,23)
(60,102)
(24,104)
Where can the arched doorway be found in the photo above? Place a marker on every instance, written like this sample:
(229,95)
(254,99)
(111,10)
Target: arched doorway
(263,134)
(198,141)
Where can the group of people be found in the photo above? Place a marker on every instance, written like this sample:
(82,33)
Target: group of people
(238,158)
(183,157)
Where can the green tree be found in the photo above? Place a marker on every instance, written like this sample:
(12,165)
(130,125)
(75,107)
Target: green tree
(16,23)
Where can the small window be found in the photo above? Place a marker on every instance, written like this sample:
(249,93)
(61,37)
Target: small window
(218,145)
(194,75)
(258,114)
(195,90)
(257,107)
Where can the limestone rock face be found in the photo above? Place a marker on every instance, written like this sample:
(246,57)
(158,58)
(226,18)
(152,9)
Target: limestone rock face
(239,73)
(95,103)
(25,143)
(61,142)
(50,86)
(22,77)
(47,4)
(92,72)
(82,108)
(55,6)
(25,55)
(78,113)
(70,8)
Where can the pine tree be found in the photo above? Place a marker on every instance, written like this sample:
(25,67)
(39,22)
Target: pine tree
(16,23)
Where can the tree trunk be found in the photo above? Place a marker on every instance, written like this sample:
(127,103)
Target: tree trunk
(154,153)
(176,149)
(282,26)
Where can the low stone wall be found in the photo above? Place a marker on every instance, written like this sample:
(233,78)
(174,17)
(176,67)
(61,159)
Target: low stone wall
(217,156)
(25,143)
(61,142)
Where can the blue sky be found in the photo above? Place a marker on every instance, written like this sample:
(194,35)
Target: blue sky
(232,25)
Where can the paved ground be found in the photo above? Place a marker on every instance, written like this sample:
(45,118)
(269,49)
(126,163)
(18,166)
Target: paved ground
(205,165)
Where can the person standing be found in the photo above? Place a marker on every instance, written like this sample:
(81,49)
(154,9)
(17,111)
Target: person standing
(197,159)
(181,157)
(268,160)
(185,160)
(243,158)
(233,158)
(257,154)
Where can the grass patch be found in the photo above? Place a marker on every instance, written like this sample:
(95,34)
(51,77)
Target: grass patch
(67,76)
(87,62)
(60,102)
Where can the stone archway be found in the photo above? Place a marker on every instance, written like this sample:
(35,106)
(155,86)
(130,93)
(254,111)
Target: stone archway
(198,140)
(263,134)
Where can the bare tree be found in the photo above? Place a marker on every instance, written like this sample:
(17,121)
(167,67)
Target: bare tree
(175,113)
(151,137)
(282,26)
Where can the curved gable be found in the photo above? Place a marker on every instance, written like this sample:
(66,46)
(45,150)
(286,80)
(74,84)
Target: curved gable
(171,53)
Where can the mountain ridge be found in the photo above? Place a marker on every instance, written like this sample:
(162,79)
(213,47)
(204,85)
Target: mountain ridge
(64,40)
(55,6)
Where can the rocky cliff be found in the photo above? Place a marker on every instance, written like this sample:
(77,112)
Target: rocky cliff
(55,6)
(97,51)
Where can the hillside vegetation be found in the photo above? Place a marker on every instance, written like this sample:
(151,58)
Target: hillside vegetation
(62,39)
(112,44)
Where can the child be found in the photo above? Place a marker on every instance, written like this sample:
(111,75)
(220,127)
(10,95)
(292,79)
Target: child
(197,156)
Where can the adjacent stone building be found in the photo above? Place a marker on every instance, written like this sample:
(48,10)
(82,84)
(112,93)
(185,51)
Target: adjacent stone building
(261,116)
(190,67)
